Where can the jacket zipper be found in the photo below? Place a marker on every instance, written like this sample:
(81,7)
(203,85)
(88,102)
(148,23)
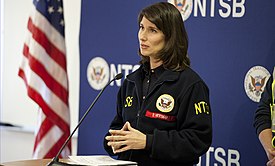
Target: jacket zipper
(142,105)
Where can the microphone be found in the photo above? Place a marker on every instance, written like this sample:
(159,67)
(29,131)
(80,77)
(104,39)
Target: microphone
(55,161)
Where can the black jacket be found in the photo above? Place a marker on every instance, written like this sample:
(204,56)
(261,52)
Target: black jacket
(175,116)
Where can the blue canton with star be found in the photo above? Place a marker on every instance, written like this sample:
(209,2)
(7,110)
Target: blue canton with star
(53,12)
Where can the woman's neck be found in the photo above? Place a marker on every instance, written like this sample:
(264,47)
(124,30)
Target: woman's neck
(155,63)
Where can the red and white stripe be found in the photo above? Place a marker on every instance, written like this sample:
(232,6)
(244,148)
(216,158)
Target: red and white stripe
(44,72)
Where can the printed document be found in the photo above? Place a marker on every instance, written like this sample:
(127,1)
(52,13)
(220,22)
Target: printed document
(99,160)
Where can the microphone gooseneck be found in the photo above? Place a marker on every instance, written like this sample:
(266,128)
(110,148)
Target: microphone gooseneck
(55,160)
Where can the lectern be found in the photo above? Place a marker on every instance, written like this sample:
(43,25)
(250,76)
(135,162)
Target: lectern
(37,162)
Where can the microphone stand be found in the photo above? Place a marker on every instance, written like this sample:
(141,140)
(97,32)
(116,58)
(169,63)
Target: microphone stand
(55,161)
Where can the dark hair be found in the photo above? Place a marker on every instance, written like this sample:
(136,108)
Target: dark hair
(168,19)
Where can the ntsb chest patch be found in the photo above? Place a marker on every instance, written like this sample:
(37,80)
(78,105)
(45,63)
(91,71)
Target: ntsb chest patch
(165,103)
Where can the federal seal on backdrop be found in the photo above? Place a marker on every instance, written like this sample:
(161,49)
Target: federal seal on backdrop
(254,82)
(165,103)
(184,6)
(98,73)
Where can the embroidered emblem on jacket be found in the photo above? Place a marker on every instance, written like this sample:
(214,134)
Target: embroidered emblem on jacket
(201,107)
(161,116)
(165,103)
(129,101)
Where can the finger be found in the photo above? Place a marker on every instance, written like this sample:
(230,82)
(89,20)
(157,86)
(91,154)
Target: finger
(111,131)
(111,143)
(130,127)
(271,151)
(271,162)
(123,149)
(117,143)
(115,138)
(125,126)
(118,132)
(110,138)
(113,150)
(268,163)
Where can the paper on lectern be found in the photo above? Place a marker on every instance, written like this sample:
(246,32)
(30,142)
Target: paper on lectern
(99,160)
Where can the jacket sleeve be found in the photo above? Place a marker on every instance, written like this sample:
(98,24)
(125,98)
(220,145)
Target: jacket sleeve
(262,118)
(193,136)
(116,124)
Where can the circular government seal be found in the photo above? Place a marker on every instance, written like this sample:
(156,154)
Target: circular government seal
(184,6)
(254,82)
(98,73)
(165,103)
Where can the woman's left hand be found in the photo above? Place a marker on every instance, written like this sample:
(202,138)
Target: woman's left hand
(125,139)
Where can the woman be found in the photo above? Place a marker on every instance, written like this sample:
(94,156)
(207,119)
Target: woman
(163,112)
(264,120)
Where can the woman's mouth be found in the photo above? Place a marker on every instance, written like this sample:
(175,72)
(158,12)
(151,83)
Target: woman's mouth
(143,46)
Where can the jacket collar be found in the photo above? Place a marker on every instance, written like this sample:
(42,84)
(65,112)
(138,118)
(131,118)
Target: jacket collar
(167,75)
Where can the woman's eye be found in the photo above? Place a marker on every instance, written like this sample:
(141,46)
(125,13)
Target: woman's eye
(153,30)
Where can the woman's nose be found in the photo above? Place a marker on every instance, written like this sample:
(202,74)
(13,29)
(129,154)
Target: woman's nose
(142,36)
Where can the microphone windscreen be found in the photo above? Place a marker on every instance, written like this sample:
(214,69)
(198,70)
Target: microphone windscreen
(118,76)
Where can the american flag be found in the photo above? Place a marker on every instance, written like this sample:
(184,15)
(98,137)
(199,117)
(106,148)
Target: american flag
(44,72)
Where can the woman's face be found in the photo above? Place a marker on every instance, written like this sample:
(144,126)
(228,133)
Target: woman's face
(151,39)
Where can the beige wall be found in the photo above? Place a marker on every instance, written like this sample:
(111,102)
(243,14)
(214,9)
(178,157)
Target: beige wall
(15,106)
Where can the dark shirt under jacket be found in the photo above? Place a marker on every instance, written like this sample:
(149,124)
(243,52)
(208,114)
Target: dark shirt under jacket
(150,77)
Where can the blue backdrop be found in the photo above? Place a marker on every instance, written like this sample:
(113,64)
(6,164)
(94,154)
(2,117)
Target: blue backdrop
(231,43)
